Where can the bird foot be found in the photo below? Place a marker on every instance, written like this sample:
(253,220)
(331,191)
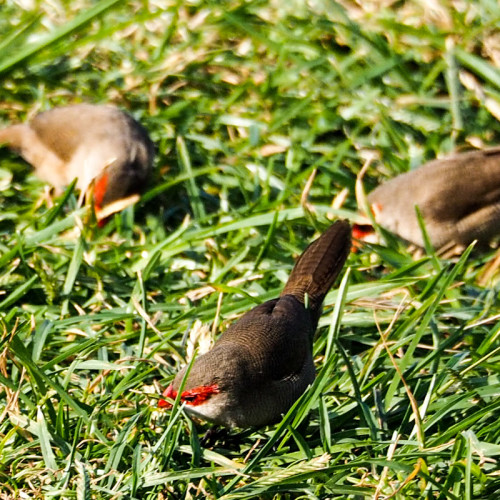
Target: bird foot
(214,435)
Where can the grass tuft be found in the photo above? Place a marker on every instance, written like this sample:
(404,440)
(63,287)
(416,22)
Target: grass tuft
(264,114)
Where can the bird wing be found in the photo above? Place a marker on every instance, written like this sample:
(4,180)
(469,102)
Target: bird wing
(275,337)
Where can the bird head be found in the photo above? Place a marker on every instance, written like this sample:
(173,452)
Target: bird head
(206,401)
(204,387)
(214,388)
(108,199)
(361,231)
(364,231)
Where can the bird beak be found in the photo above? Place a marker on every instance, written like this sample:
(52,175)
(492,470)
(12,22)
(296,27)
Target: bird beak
(167,393)
(117,206)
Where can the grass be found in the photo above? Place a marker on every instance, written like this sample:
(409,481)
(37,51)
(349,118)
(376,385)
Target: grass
(245,101)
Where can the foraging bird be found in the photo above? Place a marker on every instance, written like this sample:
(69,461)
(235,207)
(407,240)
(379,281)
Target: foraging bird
(261,364)
(458,197)
(91,143)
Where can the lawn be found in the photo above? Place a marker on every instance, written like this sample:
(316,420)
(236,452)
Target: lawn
(263,114)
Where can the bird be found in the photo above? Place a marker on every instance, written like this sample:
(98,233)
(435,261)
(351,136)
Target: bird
(458,197)
(262,363)
(99,145)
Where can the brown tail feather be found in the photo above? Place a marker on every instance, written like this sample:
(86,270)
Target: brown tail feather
(319,265)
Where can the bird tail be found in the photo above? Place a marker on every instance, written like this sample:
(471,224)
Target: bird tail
(319,265)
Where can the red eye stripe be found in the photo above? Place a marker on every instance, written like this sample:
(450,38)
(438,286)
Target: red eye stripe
(359,231)
(199,395)
(192,397)
(100,190)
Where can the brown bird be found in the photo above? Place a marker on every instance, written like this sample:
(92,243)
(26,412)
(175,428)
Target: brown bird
(261,364)
(458,197)
(92,143)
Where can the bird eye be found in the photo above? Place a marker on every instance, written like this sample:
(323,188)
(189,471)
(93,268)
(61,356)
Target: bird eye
(200,394)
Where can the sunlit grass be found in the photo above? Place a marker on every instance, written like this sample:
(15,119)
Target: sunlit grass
(246,101)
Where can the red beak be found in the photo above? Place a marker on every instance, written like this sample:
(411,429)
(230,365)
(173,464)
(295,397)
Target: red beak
(167,393)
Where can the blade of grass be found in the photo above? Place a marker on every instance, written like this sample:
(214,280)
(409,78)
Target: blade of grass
(192,189)
(80,20)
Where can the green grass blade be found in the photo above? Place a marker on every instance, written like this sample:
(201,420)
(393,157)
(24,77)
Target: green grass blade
(59,34)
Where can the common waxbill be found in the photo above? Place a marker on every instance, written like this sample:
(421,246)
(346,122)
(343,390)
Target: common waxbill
(262,363)
(458,197)
(89,142)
